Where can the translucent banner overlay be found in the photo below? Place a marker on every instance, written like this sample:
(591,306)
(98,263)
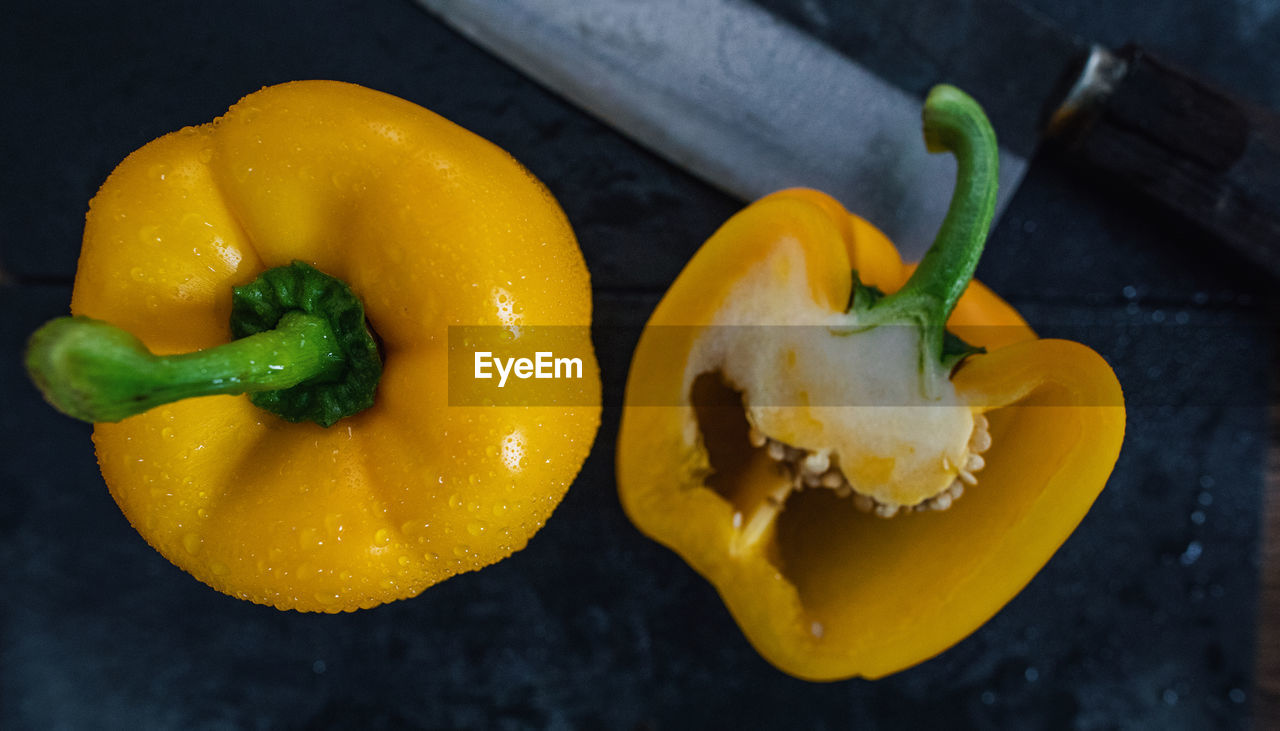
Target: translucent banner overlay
(513,365)
(1157,365)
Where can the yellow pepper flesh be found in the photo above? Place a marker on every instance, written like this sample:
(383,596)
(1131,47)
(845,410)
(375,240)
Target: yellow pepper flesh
(830,592)
(432,227)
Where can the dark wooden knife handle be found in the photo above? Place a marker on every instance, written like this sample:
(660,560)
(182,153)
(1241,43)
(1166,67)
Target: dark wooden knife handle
(1209,158)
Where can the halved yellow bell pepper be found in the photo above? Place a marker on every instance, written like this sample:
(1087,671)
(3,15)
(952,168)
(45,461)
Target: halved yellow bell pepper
(860,501)
(431,227)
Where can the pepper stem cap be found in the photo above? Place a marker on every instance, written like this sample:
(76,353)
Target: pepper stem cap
(302,351)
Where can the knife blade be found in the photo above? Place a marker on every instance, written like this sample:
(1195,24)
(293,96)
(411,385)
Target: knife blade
(751,103)
(736,96)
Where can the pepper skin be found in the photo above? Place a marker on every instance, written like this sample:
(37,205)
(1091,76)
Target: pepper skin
(431,226)
(822,589)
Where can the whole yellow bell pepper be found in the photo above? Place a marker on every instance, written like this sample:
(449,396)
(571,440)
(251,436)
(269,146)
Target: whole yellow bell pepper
(429,227)
(863,487)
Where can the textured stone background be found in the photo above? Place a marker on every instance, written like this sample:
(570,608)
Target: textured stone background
(1145,618)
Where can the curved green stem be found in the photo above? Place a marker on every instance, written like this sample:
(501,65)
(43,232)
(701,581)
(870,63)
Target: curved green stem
(94,371)
(303,352)
(955,123)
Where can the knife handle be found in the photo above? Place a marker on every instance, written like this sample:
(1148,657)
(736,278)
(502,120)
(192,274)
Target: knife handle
(1209,158)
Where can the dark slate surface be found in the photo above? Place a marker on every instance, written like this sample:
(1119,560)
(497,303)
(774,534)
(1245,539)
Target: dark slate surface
(1144,618)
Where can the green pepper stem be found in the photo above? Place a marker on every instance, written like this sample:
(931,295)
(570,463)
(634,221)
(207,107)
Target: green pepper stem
(955,123)
(94,371)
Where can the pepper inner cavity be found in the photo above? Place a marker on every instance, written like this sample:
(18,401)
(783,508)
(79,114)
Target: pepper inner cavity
(757,473)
